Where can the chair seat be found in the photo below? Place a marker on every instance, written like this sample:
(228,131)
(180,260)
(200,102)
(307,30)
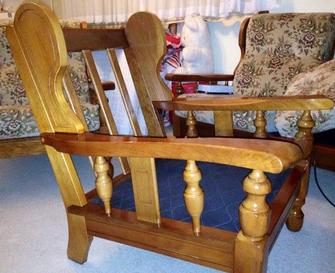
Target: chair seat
(19,122)
(222,186)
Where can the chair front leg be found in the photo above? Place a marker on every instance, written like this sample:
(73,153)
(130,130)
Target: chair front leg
(295,218)
(250,253)
(304,138)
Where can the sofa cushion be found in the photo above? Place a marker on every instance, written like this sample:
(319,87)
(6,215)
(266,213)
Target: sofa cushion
(19,122)
(280,46)
(319,81)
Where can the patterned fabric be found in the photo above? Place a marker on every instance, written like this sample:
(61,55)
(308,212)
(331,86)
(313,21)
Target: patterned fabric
(279,47)
(320,81)
(78,76)
(19,122)
(16,122)
(5,52)
(16,119)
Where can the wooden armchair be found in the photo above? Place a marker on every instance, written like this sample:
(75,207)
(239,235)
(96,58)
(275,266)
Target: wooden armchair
(40,52)
(274,49)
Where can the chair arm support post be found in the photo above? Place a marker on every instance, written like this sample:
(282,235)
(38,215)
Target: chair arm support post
(191,123)
(250,244)
(103,182)
(193,194)
(304,136)
(260,124)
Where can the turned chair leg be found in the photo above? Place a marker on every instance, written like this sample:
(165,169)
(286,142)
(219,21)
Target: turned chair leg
(295,218)
(304,138)
(250,253)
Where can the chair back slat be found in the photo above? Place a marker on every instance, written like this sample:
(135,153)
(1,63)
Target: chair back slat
(105,112)
(124,92)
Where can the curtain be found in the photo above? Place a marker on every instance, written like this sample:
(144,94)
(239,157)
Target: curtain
(118,11)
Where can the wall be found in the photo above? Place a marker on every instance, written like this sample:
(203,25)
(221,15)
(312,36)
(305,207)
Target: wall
(224,36)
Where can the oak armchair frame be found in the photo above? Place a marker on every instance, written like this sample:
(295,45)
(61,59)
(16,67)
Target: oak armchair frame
(40,52)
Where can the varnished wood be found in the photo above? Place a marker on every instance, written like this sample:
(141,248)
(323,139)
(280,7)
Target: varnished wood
(144,181)
(213,248)
(324,156)
(21,147)
(267,155)
(191,123)
(193,194)
(105,112)
(94,39)
(260,124)
(108,85)
(304,136)
(223,121)
(103,182)
(246,252)
(250,245)
(295,218)
(144,57)
(282,204)
(34,36)
(124,92)
(198,77)
(236,103)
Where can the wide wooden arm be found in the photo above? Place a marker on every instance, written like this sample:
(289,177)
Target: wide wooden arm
(198,77)
(266,155)
(236,103)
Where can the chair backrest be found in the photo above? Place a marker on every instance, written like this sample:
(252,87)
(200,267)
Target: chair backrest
(280,46)
(40,52)
(146,38)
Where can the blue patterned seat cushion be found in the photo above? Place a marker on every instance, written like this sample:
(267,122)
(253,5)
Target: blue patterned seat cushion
(222,186)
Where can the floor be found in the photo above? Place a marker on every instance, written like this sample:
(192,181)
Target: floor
(33,231)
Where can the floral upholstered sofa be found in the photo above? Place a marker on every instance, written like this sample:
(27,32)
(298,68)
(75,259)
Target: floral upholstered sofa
(16,118)
(279,47)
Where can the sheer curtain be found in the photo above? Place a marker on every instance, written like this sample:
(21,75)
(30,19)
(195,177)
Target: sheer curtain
(118,11)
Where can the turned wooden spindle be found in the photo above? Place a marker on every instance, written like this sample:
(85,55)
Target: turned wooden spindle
(254,215)
(103,182)
(295,217)
(191,123)
(304,136)
(193,194)
(260,124)
(305,125)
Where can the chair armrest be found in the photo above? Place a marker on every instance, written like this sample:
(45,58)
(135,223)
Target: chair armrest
(108,85)
(198,77)
(266,155)
(236,103)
